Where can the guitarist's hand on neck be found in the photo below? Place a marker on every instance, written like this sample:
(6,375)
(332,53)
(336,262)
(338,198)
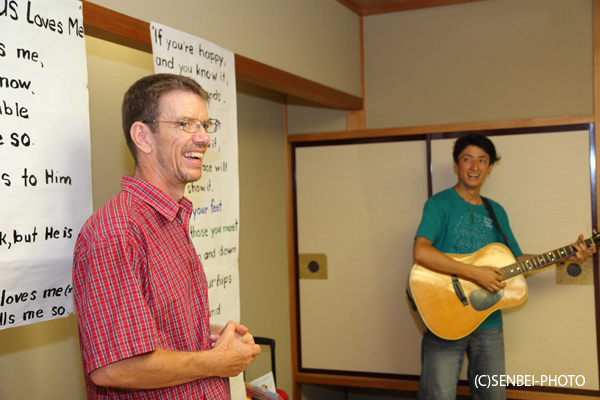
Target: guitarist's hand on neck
(582,250)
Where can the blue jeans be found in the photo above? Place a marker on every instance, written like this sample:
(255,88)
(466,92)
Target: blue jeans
(442,360)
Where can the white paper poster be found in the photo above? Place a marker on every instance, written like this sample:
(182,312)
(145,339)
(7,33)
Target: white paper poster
(45,165)
(215,224)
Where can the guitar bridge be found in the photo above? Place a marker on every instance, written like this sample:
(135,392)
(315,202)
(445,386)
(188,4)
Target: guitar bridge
(460,293)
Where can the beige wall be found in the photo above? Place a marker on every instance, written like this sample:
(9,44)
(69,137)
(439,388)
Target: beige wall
(111,70)
(481,61)
(263,252)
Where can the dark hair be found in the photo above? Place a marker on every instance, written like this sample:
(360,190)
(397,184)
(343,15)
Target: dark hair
(475,139)
(142,101)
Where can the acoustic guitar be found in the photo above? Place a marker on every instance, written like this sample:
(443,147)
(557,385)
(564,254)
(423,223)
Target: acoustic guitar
(452,307)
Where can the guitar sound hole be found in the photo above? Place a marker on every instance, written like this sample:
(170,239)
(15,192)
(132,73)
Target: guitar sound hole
(482,300)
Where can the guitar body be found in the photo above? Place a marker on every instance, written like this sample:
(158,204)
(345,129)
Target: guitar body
(442,310)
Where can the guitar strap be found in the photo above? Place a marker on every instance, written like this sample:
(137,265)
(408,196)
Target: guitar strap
(490,211)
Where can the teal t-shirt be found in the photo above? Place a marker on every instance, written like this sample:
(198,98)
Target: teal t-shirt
(456,227)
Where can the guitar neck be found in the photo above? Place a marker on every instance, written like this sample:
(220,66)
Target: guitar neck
(540,261)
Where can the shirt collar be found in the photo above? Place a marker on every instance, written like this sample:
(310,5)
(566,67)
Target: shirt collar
(155,197)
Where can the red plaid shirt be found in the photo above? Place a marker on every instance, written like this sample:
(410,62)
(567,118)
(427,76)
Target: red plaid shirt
(138,286)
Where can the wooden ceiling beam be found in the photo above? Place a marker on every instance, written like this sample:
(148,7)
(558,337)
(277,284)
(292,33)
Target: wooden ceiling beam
(366,7)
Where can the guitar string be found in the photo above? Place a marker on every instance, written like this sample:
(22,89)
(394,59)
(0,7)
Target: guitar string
(566,251)
(541,261)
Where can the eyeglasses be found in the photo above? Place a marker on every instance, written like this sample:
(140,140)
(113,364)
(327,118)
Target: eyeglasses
(193,125)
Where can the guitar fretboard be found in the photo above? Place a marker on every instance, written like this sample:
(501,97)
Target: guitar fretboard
(539,261)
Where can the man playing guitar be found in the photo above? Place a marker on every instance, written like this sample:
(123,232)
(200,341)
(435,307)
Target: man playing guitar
(455,221)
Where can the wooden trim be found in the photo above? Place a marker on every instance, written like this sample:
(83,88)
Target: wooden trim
(351,4)
(596,41)
(596,49)
(357,119)
(419,130)
(291,253)
(405,5)
(109,25)
(354,381)
(263,75)
(413,385)
(539,395)
(533,395)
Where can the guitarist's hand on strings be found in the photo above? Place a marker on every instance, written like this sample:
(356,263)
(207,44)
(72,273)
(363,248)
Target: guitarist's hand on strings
(425,254)
(488,278)
(582,250)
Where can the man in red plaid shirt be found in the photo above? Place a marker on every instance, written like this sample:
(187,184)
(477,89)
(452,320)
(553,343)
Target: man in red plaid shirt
(140,289)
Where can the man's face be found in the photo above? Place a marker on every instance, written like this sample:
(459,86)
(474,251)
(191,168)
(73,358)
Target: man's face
(473,167)
(178,154)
